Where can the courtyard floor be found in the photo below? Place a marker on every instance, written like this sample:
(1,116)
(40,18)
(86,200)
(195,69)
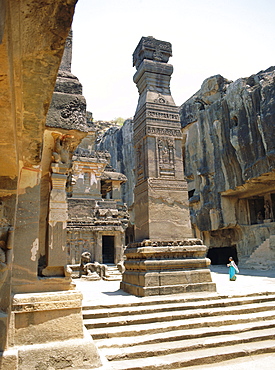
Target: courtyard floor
(248,281)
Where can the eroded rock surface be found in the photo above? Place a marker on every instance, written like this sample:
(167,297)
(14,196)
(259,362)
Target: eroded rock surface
(228,128)
(119,143)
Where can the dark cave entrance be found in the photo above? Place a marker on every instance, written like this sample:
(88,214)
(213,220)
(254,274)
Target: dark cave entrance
(220,256)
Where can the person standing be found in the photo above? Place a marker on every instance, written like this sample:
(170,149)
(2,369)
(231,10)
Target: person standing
(233,269)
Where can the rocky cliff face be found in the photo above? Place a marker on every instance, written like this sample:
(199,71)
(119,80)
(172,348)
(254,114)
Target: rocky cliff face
(229,129)
(119,143)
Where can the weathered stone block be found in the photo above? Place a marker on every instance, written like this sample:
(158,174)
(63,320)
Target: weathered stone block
(75,353)
(9,359)
(3,329)
(39,317)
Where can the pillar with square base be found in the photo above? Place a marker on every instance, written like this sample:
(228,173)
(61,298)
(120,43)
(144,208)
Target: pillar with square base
(164,259)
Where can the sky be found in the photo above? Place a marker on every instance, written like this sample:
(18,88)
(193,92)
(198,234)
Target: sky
(233,38)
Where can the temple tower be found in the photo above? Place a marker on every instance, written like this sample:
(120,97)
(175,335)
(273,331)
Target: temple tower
(169,259)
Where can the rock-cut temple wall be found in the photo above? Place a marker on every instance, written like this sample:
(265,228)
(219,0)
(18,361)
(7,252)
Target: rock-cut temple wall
(228,129)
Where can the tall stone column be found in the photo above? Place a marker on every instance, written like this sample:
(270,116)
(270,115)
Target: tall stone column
(161,197)
(119,243)
(165,258)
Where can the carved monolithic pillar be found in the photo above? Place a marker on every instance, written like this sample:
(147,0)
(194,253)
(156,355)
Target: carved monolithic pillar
(169,259)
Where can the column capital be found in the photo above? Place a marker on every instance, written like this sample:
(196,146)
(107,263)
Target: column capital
(152,49)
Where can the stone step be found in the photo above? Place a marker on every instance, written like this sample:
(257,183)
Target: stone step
(112,278)
(172,332)
(176,298)
(133,301)
(174,306)
(177,315)
(181,334)
(265,361)
(113,273)
(176,346)
(113,269)
(200,356)
(187,323)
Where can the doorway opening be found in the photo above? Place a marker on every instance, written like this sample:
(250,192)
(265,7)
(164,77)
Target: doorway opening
(220,256)
(256,208)
(108,248)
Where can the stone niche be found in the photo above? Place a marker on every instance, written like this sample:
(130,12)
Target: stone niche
(164,259)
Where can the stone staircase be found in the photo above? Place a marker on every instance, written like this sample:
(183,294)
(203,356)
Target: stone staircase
(173,332)
(113,273)
(264,256)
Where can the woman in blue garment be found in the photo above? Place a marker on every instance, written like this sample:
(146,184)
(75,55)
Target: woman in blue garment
(233,269)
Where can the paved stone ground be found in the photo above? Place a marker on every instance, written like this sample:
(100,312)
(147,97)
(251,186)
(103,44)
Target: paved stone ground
(248,281)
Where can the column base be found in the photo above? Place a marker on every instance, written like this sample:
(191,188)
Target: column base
(141,291)
(46,332)
(161,268)
(74,353)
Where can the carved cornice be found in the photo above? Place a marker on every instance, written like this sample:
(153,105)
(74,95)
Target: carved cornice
(86,155)
(98,215)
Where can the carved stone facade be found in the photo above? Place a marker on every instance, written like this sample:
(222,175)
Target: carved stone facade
(40,312)
(229,164)
(157,262)
(97,216)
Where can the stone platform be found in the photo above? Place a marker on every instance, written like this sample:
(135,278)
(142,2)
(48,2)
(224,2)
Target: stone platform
(48,333)
(160,268)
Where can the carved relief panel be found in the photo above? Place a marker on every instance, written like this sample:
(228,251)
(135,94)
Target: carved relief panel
(140,162)
(73,113)
(166,156)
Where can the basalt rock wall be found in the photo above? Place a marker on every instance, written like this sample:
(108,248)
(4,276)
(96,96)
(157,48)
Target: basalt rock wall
(228,129)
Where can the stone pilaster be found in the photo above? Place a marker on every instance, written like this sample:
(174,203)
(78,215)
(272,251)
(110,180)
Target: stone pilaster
(58,215)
